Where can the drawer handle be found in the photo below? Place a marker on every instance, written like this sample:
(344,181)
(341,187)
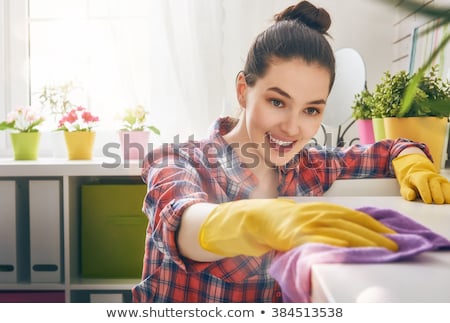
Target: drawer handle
(45,267)
(6,268)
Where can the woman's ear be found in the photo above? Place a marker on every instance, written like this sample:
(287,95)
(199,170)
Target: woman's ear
(241,89)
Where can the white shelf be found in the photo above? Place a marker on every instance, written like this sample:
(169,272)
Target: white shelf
(103,284)
(72,175)
(64,167)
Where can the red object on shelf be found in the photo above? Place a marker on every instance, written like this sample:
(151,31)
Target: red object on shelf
(32,297)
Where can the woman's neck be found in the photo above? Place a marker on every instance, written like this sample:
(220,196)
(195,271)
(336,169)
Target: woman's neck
(267,175)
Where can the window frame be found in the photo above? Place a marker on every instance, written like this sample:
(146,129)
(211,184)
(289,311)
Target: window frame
(14,65)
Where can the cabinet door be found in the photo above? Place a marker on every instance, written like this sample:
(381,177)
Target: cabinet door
(8,232)
(113,229)
(45,231)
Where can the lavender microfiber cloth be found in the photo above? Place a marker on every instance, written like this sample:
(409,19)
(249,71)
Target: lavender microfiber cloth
(292,269)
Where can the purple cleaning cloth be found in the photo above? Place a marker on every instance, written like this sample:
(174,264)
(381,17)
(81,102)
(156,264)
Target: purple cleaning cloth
(292,269)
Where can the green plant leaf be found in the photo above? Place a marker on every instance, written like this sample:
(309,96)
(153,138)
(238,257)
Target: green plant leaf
(411,90)
(154,129)
(440,106)
(7,125)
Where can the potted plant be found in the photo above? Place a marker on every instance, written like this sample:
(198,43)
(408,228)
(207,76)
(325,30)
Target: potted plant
(25,138)
(421,120)
(55,99)
(78,124)
(362,113)
(135,132)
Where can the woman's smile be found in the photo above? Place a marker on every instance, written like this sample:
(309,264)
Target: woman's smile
(279,144)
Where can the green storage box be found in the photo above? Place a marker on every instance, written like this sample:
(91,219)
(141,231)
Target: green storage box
(113,230)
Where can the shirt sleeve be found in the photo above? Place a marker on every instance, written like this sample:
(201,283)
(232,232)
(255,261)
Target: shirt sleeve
(374,160)
(173,184)
(324,166)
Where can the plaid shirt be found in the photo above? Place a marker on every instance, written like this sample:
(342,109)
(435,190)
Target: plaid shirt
(180,175)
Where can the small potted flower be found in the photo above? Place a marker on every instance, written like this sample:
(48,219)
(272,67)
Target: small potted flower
(78,124)
(25,135)
(135,132)
(362,113)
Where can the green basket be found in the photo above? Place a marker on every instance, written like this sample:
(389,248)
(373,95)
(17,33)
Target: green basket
(113,230)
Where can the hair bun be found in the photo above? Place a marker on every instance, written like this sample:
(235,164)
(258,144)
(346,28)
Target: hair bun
(308,14)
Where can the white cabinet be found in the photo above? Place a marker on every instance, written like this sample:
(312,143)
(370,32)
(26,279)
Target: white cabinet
(40,230)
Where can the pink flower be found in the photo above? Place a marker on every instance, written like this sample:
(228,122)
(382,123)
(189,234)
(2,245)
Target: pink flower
(78,119)
(22,119)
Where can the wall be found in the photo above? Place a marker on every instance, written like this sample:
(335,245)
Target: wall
(405,21)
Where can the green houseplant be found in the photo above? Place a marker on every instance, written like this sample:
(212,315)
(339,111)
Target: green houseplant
(422,119)
(25,135)
(389,95)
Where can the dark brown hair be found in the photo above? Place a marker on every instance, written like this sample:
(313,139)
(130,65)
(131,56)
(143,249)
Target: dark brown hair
(298,32)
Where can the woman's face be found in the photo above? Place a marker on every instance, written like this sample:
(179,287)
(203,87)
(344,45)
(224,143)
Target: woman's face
(284,109)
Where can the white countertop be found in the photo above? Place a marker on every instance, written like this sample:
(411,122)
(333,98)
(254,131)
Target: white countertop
(423,278)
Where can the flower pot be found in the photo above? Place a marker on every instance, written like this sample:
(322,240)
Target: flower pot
(25,145)
(431,131)
(365,130)
(79,144)
(134,144)
(378,129)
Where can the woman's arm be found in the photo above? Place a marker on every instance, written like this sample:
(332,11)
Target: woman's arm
(191,221)
(411,150)
(253,227)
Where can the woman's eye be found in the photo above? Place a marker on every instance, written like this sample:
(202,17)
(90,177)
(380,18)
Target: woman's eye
(276,103)
(312,111)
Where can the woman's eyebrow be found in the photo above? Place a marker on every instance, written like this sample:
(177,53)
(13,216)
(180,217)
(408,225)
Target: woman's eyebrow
(280,92)
(286,95)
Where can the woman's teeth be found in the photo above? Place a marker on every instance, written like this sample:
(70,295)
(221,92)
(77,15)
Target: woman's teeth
(280,142)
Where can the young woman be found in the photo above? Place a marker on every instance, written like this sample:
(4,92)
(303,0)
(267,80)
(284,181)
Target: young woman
(215,219)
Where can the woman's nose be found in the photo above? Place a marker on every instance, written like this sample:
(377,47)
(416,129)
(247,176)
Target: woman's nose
(291,124)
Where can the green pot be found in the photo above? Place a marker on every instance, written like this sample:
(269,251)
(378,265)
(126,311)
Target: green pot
(25,145)
(378,129)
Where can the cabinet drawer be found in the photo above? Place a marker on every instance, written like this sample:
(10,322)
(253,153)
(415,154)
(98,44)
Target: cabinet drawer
(113,230)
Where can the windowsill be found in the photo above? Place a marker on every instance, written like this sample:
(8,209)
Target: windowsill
(64,167)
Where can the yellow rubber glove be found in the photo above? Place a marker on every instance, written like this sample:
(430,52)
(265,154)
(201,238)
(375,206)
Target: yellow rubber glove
(253,227)
(417,177)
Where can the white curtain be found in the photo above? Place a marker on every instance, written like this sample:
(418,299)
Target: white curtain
(178,58)
(186,58)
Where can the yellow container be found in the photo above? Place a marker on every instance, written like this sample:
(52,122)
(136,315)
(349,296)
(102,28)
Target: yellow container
(431,131)
(79,144)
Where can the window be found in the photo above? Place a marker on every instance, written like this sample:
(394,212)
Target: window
(166,55)
(101,47)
